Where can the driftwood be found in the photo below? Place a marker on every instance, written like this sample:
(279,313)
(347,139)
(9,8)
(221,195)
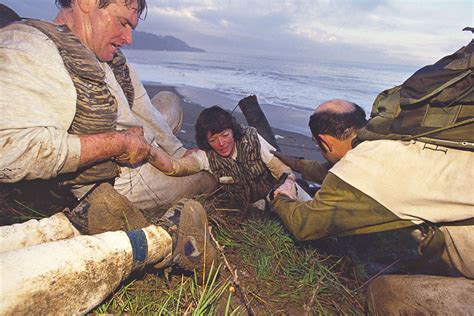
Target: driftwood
(255,117)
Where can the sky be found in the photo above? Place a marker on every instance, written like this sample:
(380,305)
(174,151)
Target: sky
(403,32)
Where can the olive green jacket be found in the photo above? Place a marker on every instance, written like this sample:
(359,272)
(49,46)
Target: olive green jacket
(338,209)
(312,170)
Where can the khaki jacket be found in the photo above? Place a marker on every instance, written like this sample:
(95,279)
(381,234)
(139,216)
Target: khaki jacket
(341,209)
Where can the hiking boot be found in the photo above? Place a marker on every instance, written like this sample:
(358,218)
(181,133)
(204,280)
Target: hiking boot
(104,209)
(193,249)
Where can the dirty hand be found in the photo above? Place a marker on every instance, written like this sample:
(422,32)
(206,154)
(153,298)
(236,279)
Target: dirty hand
(288,188)
(136,148)
(290,161)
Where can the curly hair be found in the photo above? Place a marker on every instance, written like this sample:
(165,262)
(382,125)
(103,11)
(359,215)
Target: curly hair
(214,120)
(104,3)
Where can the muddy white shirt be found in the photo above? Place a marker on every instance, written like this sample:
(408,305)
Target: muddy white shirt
(38,103)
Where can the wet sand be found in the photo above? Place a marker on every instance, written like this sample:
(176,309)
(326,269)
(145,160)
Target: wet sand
(291,143)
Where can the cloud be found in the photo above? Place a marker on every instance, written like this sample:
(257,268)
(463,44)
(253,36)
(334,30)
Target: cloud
(172,13)
(386,31)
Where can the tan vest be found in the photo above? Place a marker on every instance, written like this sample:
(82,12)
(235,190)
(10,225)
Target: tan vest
(414,180)
(247,176)
(96,107)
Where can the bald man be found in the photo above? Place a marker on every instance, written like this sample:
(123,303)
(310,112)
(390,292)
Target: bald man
(337,123)
(381,185)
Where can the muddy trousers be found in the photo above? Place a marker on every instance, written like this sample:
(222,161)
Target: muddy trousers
(46,267)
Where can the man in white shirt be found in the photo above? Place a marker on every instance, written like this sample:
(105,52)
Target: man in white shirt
(45,130)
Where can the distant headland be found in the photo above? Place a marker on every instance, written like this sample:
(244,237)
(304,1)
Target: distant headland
(144,40)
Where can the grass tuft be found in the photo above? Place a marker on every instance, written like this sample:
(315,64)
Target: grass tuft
(151,295)
(284,272)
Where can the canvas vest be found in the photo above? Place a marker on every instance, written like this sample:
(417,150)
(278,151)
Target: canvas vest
(96,107)
(247,176)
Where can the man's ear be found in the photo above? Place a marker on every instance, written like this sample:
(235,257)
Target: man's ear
(326,142)
(86,5)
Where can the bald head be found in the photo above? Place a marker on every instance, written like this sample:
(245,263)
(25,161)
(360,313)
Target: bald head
(336,106)
(337,118)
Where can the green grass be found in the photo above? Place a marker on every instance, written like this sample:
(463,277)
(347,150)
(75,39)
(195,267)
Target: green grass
(276,275)
(289,273)
(151,295)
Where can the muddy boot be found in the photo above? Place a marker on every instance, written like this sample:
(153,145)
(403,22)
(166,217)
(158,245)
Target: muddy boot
(104,209)
(193,249)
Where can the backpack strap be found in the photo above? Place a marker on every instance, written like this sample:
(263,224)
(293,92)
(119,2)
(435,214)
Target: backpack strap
(441,88)
(465,144)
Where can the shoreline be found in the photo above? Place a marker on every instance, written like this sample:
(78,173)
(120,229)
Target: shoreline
(291,143)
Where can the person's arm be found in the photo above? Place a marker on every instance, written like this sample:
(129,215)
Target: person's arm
(277,167)
(338,209)
(311,170)
(37,153)
(161,160)
(174,167)
(127,147)
(153,120)
(43,153)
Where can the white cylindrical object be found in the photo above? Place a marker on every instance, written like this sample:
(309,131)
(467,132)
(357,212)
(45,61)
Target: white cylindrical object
(33,232)
(72,276)
(169,105)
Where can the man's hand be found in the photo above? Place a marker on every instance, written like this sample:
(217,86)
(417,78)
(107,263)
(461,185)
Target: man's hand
(135,147)
(290,161)
(126,147)
(288,188)
(285,185)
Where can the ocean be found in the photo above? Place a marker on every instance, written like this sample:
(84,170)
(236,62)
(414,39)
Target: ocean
(287,88)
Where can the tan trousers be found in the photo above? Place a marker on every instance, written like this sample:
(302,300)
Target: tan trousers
(459,249)
(431,295)
(147,187)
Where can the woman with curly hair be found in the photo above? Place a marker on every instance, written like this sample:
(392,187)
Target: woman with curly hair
(238,157)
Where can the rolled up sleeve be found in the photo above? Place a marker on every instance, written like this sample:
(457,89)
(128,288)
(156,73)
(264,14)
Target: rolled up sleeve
(38,103)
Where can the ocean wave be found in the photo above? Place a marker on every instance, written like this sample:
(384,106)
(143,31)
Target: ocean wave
(287,83)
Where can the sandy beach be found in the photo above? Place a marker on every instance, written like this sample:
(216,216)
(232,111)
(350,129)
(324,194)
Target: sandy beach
(291,143)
